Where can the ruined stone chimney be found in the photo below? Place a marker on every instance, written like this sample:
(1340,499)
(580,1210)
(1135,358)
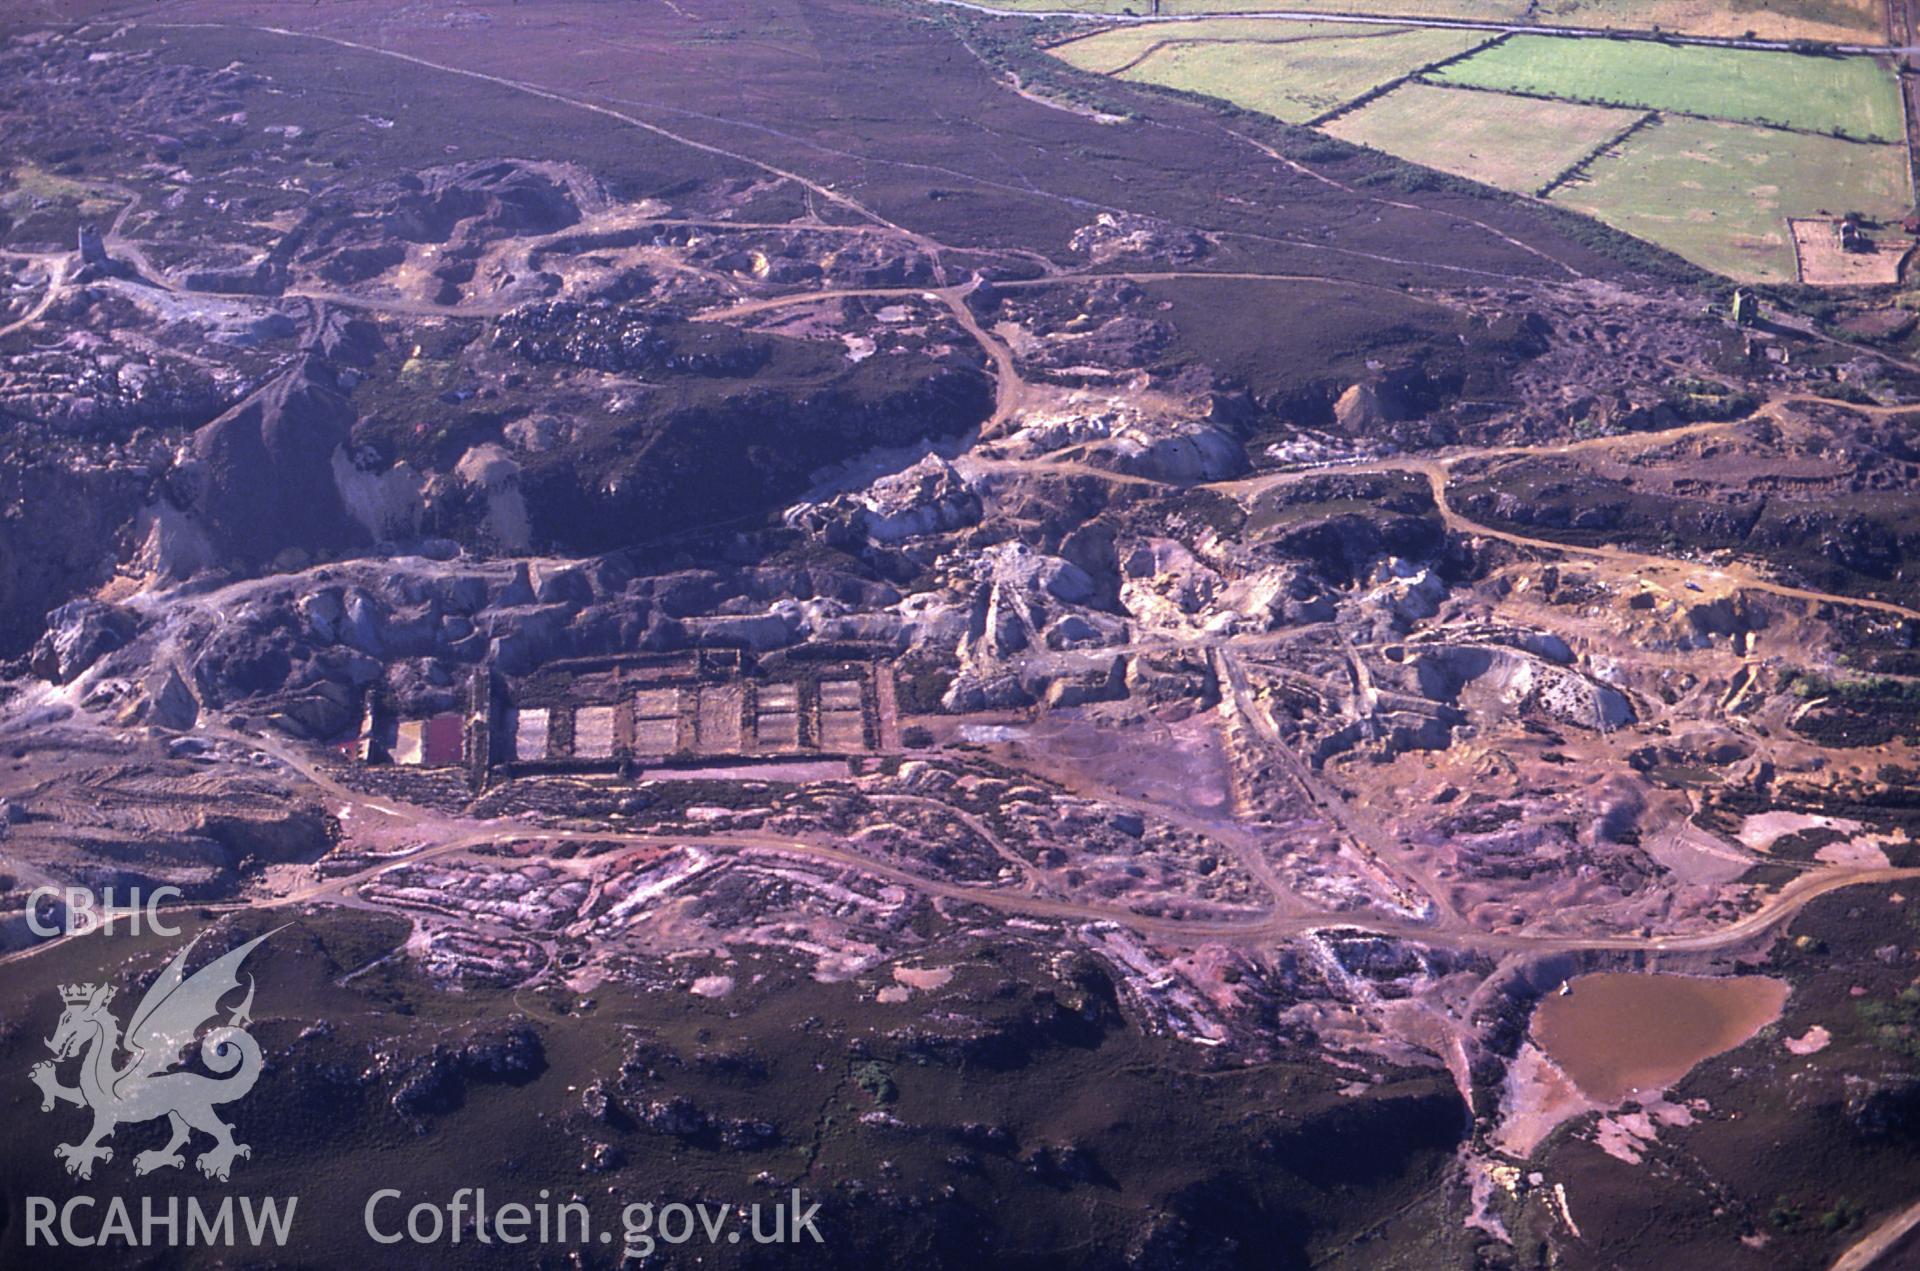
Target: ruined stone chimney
(93,248)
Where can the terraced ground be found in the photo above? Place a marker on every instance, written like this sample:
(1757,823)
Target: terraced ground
(1292,71)
(1515,143)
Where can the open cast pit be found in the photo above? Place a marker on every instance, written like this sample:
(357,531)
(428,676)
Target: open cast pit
(1074,680)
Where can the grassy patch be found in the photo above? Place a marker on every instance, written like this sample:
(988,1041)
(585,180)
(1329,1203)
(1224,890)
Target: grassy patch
(1833,20)
(1515,143)
(1292,71)
(1468,10)
(1720,194)
(1850,96)
(1841,21)
(1114,49)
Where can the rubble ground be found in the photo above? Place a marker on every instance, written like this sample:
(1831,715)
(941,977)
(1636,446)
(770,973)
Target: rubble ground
(848,666)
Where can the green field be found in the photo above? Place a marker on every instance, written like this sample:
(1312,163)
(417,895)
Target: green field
(1846,21)
(1719,193)
(1470,10)
(1854,96)
(1292,71)
(1842,21)
(1516,143)
(1739,140)
(1117,48)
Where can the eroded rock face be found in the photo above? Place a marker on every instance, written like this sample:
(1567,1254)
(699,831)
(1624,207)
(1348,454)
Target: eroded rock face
(930,497)
(1516,679)
(1182,452)
(489,472)
(1269,599)
(260,479)
(79,634)
(1166,585)
(59,538)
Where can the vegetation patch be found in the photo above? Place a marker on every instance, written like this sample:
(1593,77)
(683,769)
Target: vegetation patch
(1852,97)
(1719,194)
(1828,20)
(1515,143)
(1831,21)
(1292,71)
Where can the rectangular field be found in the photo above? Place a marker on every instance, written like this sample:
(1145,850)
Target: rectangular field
(1853,96)
(1719,194)
(1466,10)
(408,748)
(778,697)
(656,703)
(1825,261)
(1835,21)
(1839,21)
(777,730)
(718,719)
(529,731)
(842,731)
(655,736)
(1116,48)
(842,695)
(593,732)
(1295,78)
(1515,143)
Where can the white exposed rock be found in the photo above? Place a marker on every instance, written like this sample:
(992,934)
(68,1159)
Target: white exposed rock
(388,505)
(1512,678)
(323,613)
(494,472)
(930,497)
(1172,450)
(172,543)
(1044,432)
(1164,585)
(1081,631)
(1011,601)
(1267,599)
(1409,593)
(171,703)
(1124,235)
(1361,409)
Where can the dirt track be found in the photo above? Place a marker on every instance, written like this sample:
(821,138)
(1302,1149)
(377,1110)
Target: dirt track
(1423,892)
(1887,1238)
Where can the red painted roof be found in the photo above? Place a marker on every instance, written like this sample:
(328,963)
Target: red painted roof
(440,740)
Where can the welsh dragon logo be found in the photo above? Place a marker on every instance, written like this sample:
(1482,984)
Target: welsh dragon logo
(158,1036)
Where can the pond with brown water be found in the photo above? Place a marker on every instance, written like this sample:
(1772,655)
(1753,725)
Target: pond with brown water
(1620,1035)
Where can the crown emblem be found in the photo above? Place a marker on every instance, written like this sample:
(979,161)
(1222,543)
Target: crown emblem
(78,994)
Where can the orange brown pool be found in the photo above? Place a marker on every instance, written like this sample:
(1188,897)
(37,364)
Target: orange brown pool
(1620,1035)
